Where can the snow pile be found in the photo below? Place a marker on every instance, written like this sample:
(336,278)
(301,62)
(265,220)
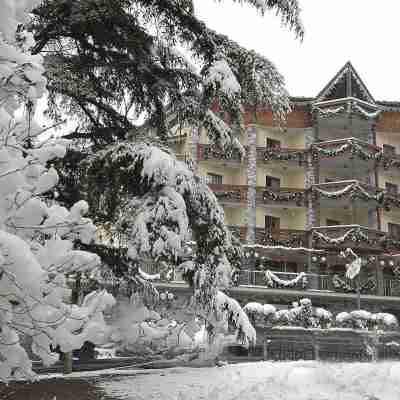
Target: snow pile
(263,380)
(220,76)
(35,238)
(138,329)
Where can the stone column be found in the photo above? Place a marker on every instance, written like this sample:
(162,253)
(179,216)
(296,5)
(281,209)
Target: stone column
(313,209)
(372,218)
(251,185)
(379,279)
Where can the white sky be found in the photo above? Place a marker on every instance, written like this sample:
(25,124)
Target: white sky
(365,32)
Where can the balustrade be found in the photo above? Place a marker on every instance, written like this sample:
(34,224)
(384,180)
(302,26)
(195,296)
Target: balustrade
(230,193)
(281,195)
(282,237)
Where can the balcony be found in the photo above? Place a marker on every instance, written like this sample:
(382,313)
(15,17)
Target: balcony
(257,278)
(353,236)
(230,194)
(282,196)
(341,193)
(282,154)
(282,237)
(349,157)
(207,152)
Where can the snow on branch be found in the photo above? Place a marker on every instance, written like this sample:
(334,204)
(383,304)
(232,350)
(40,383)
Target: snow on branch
(36,248)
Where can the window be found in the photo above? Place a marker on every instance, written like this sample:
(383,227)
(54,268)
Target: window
(273,144)
(391,188)
(394,230)
(389,150)
(272,224)
(272,183)
(214,179)
(332,222)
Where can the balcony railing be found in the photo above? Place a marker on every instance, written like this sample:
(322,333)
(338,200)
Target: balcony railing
(282,195)
(209,152)
(281,154)
(230,193)
(337,147)
(391,287)
(354,236)
(282,237)
(257,278)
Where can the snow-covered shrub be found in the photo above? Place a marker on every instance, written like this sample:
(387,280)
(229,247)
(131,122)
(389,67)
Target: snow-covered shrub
(260,313)
(302,314)
(384,321)
(36,248)
(361,319)
(323,318)
(137,329)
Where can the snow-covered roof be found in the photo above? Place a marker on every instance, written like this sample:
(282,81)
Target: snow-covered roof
(345,83)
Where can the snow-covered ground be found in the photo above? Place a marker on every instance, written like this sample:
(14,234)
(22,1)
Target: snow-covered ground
(263,380)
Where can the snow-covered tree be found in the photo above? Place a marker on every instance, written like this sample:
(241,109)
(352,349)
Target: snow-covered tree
(109,61)
(36,237)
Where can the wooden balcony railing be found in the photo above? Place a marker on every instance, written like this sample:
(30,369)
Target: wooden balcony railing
(230,193)
(350,188)
(282,237)
(332,148)
(354,236)
(286,154)
(282,195)
(391,287)
(209,152)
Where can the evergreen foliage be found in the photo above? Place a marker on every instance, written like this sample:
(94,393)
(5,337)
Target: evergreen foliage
(108,62)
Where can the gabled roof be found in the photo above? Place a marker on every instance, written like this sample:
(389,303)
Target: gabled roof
(346,83)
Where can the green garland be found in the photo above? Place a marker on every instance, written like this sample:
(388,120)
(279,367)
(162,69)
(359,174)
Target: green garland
(329,112)
(285,155)
(210,152)
(231,195)
(368,286)
(298,197)
(351,146)
(357,236)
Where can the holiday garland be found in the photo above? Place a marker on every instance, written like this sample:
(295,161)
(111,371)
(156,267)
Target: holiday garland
(367,286)
(212,152)
(272,279)
(285,155)
(274,196)
(231,194)
(354,235)
(329,112)
(365,114)
(351,146)
(351,107)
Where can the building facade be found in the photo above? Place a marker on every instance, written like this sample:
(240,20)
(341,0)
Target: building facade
(326,181)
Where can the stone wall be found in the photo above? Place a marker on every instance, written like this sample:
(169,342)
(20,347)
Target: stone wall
(389,121)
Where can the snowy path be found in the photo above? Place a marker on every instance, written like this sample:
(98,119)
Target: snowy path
(264,380)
